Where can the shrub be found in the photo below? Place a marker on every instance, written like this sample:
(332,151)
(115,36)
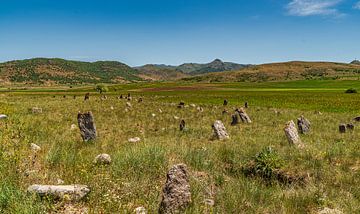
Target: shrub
(351,91)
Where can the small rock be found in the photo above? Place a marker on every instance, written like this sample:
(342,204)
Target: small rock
(246,105)
(3,116)
(36,110)
(87,96)
(342,128)
(200,109)
(219,131)
(60,181)
(128,105)
(176,117)
(182,125)
(102,159)
(112,107)
(134,140)
(160,111)
(73,127)
(35,148)
(209,202)
(176,192)
(181,105)
(75,192)
(225,102)
(350,126)
(140,210)
(153,115)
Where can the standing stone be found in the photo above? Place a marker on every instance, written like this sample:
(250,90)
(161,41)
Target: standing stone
(140,100)
(87,126)
(87,96)
(226,102)
(350,126)
(246,105)
(176,192)
(181,105)
(235,119)
(342,128)
(292,134)
(219,131)
(121,96)
(357,119)
(243,115)
(303,125)
(182,125)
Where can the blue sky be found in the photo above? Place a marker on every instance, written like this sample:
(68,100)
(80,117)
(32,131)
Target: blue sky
(137,32)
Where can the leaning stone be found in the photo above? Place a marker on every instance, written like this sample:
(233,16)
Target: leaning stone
(243,115)
(75,192)
(87,126)
(3,116)
(176,192)
(102,159)
(128,105)
(303,125)
(140,210)
(350,126)
(36,110)
(134,140)
(342,128)
(182,125)
(292,134)
(35,148)
(246,105)
(235,119)
(219,131)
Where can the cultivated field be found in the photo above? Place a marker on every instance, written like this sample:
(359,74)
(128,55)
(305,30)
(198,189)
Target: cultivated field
(329,163)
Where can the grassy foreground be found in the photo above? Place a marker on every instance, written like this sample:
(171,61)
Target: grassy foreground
(330,160)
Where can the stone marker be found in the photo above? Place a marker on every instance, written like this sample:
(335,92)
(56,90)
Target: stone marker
(87,126)
(87,96)
(176,192)
(121,96)
(182,125)
(3,116)
(140,210)
(350,126)
(102,159)
(357,119)
(36,110)
(219,131)
(292,134)
(235,119)
(181,105)
(75,192)
(140,100)
(35,148)
(226,102)
(303,125)
(342,128)
(246,105)
(243,115)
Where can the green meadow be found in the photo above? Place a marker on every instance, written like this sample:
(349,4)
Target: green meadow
(330,161)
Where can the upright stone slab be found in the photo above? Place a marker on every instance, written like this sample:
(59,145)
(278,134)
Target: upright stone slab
(226,102)
(246,105)
(182,125)
(303,125)
(176,192)
(350,126)
(243,115)
(219,131)
(342,128)
(292,134)
(87,126)
(87,96)
(235,119)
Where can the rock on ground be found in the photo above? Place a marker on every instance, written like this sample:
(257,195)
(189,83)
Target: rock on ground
(176,192)
(303,125)
(219,131)
(292,134)
(140,210)
(134,140)
(75,192)
(327,210)
(243,115)
(3,116)
(87,126)
(34,147)
(102,159)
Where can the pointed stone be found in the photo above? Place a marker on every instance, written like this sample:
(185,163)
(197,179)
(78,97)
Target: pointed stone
(87,126)
(219,131)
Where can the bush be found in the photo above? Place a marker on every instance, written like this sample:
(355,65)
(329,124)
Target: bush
(351,91)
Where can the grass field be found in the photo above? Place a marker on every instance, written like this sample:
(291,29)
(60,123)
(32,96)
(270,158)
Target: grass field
(330,160)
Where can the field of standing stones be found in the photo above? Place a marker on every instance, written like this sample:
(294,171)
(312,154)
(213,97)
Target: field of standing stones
(179,151)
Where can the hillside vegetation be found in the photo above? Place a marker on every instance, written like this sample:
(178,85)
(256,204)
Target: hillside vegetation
(284,71)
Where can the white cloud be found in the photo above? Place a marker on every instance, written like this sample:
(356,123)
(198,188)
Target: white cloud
(357,5)
(313,7)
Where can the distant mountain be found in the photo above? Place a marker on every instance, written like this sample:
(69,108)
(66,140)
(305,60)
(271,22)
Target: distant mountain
(60,71)
(195,68)
(295,70)
(355,62)
(160,72)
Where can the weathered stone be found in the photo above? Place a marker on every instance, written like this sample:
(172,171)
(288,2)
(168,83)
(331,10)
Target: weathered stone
(140,100)
(219,131)
(134,140)
(153,115)
(182,125)
(246,105)
(36,110)
(181,105)
(176,117)
(292,134)
(176,192)
(243,115)
(327,210)
(87,126)
(357,119)
(73,127)
(350,126)
(303,125)
(192,105)
(3,116)
(235,119)
(200,109)
(73,192)
(160,111)
(140,210)
(342,128)
(87,96)
(35,148)
(225,111)
(128,105)
(225,102)
(102,159)
(103,97)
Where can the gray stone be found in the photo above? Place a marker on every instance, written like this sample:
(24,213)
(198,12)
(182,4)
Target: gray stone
(128,105)
(87,126)
(176,192)
(292,134)
(342,128)
(219,131)
(75,192)
(102,159)
(235,119)
(35,148)
(182,125)
(303,125)
(243,115)
(134,140)
(225,102)
(3,116)
(36,110)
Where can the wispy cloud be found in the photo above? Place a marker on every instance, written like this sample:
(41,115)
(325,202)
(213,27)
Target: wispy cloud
(313,7)
(357,5)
